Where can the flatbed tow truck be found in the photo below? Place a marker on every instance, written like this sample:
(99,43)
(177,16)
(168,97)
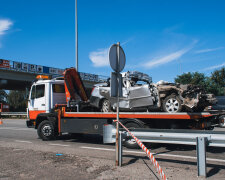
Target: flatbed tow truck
(53,115)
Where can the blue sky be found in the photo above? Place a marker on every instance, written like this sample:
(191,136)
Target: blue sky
(161,38)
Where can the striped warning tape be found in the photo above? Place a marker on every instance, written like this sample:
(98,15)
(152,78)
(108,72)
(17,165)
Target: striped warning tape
(149,154)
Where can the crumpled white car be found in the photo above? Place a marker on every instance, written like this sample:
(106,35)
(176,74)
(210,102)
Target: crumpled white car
(140,94)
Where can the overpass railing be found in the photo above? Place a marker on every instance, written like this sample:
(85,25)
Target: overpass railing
(38,69)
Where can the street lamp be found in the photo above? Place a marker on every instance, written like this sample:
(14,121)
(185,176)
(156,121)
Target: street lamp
(76,36)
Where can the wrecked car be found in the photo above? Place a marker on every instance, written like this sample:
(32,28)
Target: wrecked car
(140,94)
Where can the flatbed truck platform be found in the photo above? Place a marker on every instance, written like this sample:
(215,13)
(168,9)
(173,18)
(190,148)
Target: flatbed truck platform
(51,125)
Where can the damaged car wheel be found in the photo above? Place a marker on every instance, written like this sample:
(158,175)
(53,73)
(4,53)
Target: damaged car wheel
(106,107)
(172,104)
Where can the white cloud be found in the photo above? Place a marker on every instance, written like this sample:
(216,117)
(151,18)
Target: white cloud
(168,58)
(100,57)
(4,25)
(214,67)
(127,41)
(208,50)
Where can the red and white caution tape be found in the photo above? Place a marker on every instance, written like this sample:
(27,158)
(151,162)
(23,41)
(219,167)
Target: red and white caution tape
(149,154)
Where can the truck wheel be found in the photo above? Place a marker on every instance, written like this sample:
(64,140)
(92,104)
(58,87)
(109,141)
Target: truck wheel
(106,107)
(130,142)
(172,104)
(46,130)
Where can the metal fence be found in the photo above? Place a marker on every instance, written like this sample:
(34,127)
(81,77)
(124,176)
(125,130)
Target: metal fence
(13,114)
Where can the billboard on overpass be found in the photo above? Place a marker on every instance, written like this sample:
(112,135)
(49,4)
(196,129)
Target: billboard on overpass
(39,69)
(32,67)
(17,65)
(4,63)
(25,67)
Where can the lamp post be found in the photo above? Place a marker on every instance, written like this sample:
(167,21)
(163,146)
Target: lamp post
(76,36)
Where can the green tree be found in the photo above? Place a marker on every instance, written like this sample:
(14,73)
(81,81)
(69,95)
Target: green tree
(185,78)
(212,87)
(3,96)
(218,77)
(17,101)
(195,78)
(214,84)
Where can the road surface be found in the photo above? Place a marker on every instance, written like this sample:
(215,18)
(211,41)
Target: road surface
(24,156)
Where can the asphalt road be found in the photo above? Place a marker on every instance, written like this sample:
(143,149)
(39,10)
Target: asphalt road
(178,161)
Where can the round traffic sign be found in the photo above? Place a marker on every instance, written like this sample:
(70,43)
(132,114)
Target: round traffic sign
(117,64)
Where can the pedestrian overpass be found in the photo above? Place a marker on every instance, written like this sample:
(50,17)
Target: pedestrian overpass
(19,76)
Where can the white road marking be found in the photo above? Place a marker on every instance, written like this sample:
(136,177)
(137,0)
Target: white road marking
(16,129)
(164,154)
(17,149)
(64,145)
(105,149)
(18,122)
(23,141)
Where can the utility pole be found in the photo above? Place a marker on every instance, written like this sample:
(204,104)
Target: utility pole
(76,36)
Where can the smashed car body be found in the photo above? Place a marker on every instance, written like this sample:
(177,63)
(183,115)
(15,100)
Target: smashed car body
(140,94)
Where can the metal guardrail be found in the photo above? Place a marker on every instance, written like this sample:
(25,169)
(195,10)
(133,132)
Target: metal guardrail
(188,137)
(200,138)
(13,114)
(171,136)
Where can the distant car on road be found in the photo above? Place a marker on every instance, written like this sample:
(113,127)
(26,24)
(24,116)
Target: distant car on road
(220,106)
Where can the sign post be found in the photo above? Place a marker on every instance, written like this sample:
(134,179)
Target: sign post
(117,110)
(117,62)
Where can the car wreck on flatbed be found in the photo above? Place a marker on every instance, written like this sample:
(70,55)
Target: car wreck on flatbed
(140,94)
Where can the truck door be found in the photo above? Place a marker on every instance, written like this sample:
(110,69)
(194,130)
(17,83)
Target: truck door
(36,102)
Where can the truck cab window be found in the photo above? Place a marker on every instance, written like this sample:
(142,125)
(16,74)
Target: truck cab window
(40,91)
(58,88)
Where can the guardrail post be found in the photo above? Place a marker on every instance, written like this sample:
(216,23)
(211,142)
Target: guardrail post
(201,156)
(120,148)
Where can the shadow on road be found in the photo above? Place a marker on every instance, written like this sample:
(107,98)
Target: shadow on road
(82,138)
(151,170)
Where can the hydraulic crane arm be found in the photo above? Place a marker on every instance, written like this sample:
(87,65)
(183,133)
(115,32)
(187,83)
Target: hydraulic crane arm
(74,86)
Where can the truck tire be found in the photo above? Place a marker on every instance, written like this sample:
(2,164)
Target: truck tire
(105,106)
(172,104)
(46,130)
(130,142)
